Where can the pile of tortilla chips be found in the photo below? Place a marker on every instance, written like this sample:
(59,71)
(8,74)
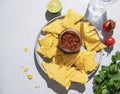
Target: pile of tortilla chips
(73,67)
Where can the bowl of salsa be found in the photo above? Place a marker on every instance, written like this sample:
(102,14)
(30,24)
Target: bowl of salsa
(70,40)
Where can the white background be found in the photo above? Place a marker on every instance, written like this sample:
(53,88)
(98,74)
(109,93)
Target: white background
(20,21)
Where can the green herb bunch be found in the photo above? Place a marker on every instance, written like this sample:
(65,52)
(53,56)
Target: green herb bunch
(108,79)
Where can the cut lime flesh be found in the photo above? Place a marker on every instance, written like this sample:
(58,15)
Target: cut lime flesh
(54,6)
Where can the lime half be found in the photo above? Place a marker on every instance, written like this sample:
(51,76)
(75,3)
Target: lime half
(54,6)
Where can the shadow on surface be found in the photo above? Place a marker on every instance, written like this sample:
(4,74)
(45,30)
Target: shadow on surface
(77,86)
(50,16)
(108,50)
(93,74)
(56,86)
(94,85)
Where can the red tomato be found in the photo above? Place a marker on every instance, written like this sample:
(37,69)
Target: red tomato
(109,41)
(109,25)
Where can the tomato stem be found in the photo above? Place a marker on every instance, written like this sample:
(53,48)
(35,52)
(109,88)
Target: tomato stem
(111,24)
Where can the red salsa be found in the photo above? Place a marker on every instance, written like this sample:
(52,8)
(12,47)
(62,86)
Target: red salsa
(70,40)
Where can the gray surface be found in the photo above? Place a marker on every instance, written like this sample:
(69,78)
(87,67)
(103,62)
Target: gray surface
(20,21)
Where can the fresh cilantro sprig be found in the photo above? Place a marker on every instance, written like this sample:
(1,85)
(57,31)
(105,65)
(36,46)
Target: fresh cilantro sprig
(108,79)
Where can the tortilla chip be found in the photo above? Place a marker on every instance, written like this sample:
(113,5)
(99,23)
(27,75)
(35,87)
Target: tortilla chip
(54,27)
(71,18)
(80,77)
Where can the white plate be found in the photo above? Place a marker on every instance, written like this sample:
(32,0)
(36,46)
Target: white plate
(40,59)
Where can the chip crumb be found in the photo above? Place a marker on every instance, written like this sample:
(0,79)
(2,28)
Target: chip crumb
(30,76)
(37,86)
(25,69)
(25,49)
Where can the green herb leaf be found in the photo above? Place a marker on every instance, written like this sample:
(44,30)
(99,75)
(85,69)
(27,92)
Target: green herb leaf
(113,68)
(116,57)
(98,79)
(108,79)
(104,91)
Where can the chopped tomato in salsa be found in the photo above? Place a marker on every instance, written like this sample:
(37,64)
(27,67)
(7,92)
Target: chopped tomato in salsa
(70,40)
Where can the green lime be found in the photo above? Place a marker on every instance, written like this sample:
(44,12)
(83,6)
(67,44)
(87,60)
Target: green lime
(54,6)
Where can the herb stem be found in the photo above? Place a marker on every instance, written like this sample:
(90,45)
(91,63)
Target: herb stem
(98,88)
